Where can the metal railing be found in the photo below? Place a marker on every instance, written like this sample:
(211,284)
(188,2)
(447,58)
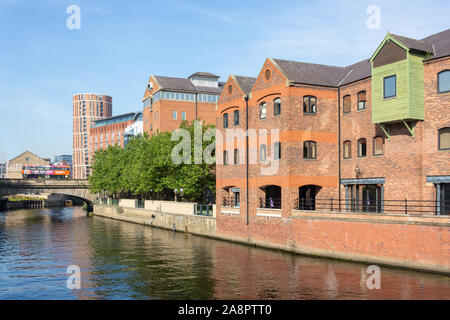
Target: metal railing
(270,203)
(203,210)
(406,206)
(139,203)
(230,202)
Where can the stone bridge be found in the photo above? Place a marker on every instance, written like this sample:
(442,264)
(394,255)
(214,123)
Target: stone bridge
(75,188)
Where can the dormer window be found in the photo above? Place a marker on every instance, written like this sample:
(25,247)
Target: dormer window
(204,79)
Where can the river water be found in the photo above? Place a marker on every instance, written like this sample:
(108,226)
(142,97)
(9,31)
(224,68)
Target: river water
(119,260)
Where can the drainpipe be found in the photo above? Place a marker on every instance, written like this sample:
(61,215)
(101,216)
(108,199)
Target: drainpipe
(246,154)
(196,99)
(339,144)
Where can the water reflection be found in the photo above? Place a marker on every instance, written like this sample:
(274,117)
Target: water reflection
(127,261)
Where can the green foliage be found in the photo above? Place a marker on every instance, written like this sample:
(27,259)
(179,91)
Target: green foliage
(144,169)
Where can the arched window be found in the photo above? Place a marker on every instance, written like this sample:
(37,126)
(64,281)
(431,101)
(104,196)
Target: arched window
(277,151)
(277,107)
(347,149)
(262,110)
(310,104)
(378,146)
(309,150)
(362,148)
(225,120)
(444,139)
(225,158)
(347,104)
(262,153)
(444,81)
(361,100)
(236,117)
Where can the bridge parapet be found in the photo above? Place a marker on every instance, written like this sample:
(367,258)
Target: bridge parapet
(75,188)
(44,182)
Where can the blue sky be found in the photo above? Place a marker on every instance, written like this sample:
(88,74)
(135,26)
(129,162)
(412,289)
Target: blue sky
(120,43)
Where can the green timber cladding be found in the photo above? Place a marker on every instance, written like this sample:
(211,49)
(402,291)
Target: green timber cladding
(394,58)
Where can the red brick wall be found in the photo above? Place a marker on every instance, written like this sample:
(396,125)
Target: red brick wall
(391,242)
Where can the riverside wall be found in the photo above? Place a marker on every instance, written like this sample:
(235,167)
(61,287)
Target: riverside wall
(411,242)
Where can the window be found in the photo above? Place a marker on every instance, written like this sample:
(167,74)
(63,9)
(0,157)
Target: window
(277,107)
(277,151)
(309,104)
(377,146)
(225,120)
(262,152)
(444,81)
(347,149)
(267,74)
(236,156)
(236,117)
(361,100)
(225,158)
(174,115)
(444,139)
(347,102)
(183,115)
(230,89)
(309,150)
(262,110)
(362,148)
(390,86)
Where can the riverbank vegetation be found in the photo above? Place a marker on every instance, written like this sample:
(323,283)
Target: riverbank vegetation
(145,170)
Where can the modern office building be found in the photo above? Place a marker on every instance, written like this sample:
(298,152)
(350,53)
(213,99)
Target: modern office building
(64,160)
(114,131)
(87,108)
(136,128)
(370,137)
(168,101)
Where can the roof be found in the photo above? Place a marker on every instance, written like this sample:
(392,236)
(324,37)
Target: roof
(116,119)
(414,44)
(310,73)
(316,74)
(357,71)
(204,74)
(440,43)
(245,83)
(27,152)
(182,84)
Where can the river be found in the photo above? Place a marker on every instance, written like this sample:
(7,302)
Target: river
(119,260)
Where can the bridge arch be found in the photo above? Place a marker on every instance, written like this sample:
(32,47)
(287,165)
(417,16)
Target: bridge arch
(74,188)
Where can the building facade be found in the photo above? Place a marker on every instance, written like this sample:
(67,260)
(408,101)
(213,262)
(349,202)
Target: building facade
(87,108)
(2,170)
(370,137)
(113,131)
(14,166)
(168,101)
(65,160)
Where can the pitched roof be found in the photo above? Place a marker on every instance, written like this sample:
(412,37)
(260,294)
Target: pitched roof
(414,44)
(245,83)
(440,42)
(26,152)
(357,71)
(310,73)
(182,84)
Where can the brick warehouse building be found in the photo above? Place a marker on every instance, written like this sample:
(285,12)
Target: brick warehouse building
(87,108)
(168,101)
(365,137)
(112,131)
